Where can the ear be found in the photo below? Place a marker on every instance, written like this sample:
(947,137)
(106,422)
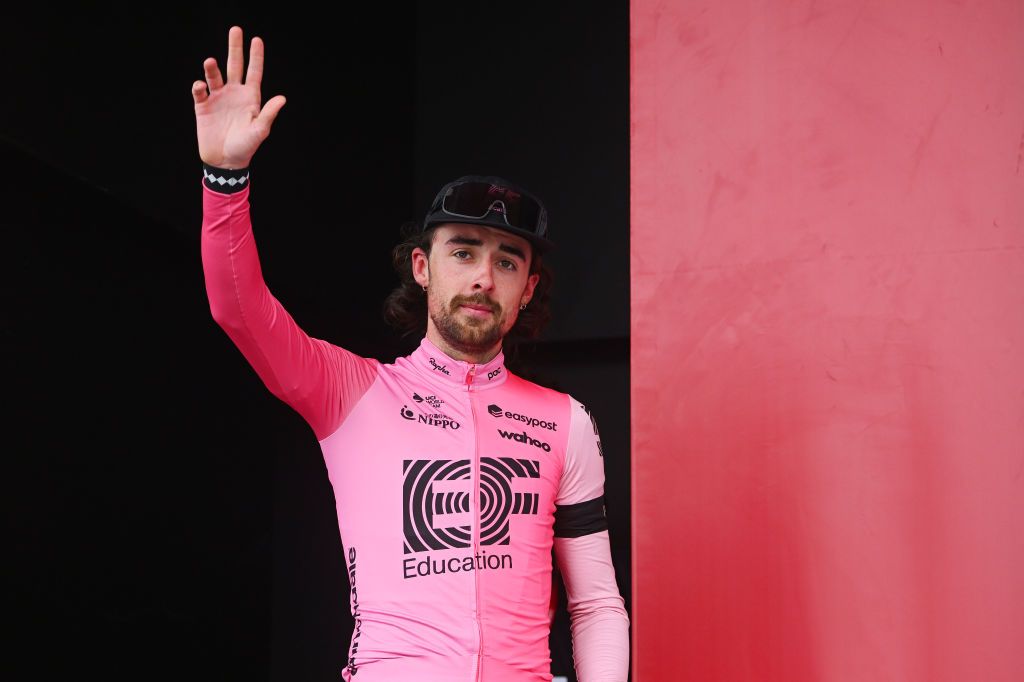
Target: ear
(531,283)
(420,267)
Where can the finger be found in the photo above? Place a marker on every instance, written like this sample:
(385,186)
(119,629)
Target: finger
(236,56)
(212,73)
(254,74)
(199,93)
(269,113)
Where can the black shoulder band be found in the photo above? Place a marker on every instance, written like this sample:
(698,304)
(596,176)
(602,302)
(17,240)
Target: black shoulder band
(584,518)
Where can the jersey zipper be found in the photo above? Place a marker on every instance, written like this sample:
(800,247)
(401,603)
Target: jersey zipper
(475,498)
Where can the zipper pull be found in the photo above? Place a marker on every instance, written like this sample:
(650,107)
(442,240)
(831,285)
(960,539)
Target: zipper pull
(469,375)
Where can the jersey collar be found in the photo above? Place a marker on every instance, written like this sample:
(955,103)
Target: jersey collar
(434,362)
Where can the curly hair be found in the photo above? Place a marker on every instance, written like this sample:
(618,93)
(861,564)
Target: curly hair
(405,308)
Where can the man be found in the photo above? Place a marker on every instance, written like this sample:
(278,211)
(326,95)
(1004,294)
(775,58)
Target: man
(454,478)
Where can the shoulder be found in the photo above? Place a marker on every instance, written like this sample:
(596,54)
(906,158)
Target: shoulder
(536,391)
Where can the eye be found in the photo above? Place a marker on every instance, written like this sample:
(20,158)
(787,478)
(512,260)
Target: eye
(509,265)
(461,254)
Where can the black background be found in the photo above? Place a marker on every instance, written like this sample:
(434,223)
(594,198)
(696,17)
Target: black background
(167,517)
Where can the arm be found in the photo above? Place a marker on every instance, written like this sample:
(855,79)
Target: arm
(599,623)
(319,380)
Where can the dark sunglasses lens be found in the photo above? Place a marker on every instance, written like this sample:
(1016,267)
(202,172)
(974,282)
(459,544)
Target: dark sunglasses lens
(477,199)
(529,216)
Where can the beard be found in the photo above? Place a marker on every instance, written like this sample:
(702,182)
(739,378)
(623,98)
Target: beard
(468,334)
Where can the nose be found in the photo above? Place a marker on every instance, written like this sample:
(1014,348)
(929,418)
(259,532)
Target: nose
(483,278)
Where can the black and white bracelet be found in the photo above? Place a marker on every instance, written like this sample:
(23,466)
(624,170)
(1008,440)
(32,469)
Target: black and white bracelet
(224,180)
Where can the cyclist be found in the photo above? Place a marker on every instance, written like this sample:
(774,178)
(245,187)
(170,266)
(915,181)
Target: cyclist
(454,478)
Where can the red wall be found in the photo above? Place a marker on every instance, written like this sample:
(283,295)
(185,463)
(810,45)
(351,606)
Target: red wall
(827,264)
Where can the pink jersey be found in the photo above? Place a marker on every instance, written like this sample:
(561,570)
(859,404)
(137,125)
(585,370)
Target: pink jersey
(453,483)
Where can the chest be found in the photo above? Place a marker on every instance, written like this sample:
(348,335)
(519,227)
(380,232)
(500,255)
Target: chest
(452,458)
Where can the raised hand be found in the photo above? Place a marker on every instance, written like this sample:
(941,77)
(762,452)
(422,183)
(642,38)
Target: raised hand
(230,125)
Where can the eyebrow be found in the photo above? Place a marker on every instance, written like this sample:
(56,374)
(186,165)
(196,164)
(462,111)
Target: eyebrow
(469,241)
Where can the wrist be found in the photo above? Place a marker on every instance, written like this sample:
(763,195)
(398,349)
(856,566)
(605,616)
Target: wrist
(225,180)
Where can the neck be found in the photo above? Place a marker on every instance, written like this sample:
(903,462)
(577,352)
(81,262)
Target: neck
(472,356)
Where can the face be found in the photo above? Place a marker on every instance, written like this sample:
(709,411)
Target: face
(476,279)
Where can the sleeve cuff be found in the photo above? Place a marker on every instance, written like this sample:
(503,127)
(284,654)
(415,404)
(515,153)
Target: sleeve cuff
(224,180)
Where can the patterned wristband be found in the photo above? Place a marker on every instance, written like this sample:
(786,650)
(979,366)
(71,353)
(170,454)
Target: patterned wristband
(225,181)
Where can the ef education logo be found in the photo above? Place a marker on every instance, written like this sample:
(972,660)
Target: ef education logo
(436,511)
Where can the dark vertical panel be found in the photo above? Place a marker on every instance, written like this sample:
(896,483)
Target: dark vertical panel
(137,492)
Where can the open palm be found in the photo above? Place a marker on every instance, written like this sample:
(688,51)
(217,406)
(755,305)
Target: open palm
(230,123)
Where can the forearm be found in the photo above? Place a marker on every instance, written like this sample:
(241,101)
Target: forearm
(239,299)
(231,266)
(599,623)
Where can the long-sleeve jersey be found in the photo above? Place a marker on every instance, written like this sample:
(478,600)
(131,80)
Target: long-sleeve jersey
(453,482)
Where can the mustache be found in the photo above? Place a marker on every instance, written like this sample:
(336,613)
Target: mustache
(477,300)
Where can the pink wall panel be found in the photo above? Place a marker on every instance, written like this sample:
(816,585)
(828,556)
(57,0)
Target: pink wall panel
(828,332)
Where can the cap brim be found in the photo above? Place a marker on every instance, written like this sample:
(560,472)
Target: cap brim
(540,243)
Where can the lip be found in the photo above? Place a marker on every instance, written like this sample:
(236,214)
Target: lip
(476,310)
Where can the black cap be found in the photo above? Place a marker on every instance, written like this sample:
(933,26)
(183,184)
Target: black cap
(531,218)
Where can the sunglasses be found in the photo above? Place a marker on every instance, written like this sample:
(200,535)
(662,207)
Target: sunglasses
(478,200)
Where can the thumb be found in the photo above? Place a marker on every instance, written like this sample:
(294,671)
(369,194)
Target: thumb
(269,113)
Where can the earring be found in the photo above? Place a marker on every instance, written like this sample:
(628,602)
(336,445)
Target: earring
(522,307)
(424,288)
